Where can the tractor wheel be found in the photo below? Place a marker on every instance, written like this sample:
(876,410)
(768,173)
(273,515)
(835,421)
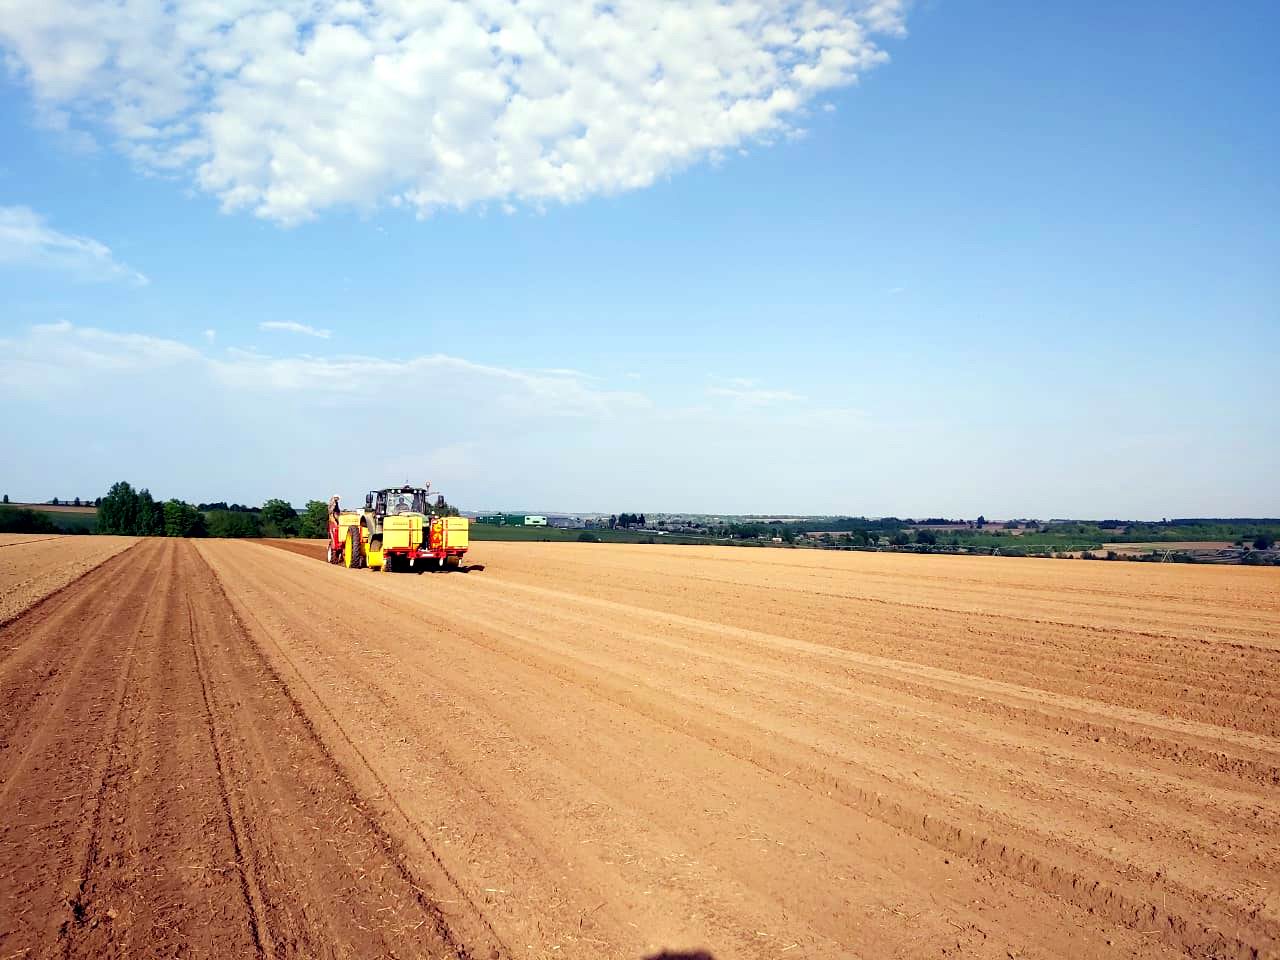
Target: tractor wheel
(388,563)
(354,554)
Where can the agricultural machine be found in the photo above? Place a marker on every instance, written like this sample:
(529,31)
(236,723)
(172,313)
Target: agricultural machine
(398,529)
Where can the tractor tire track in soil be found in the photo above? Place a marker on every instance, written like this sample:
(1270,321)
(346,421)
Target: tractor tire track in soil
(163,796)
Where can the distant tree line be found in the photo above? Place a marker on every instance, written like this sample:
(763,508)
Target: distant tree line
(865,529)
(134,512)
(25,520)
(56,502)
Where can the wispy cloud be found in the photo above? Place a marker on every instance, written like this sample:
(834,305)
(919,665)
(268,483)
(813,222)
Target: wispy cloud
(26,238)
(290,326)
(62,354)
(496,434)
(568,372)
(743,390)
(754,396)
(65,353)
(289,107)
(521,393)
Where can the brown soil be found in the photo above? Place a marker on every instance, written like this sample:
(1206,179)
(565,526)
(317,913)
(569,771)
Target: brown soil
(1168,545)
(306,548)
(50,508)
(36,565)
(632,748)
(164,795)
(593,750)
(11,539)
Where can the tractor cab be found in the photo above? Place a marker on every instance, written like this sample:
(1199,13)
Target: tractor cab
(395,501)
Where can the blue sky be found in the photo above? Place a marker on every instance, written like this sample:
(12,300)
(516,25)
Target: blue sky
(939,258)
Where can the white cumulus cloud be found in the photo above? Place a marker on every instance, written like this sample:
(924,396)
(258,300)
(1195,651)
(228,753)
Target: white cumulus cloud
(289,107)
(25,238)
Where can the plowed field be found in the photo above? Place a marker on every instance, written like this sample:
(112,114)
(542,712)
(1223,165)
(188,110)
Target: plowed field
(586,750)
(34,565)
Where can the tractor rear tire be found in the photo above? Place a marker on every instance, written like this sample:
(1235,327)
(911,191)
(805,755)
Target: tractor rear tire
(354,555)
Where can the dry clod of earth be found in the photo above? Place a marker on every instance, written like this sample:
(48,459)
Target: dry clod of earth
(223,749)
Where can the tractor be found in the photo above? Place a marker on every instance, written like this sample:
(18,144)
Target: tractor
(398,529)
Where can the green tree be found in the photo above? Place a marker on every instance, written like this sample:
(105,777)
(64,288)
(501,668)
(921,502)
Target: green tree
(6,498)
(182,520)
(150,516)
(25,521)
(118,510)
(173,519)
(279,519)
(1262,542)
(233,523)
(926,536)
(900,539)
(314,522)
